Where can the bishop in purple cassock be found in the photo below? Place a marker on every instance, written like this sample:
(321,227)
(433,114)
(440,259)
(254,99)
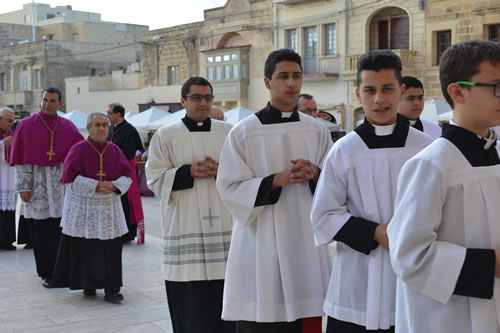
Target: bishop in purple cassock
(40,144)
(96,173)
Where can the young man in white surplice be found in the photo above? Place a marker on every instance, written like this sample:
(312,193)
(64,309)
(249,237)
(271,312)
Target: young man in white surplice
(445,234)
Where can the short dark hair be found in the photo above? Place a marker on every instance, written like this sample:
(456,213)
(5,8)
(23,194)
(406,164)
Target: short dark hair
(194,81)
(53,90)
(278,56)
(461,61)
(412,82)
(306,96)
(379,59)
(118,108)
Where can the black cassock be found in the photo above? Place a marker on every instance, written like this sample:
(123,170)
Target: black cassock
(125,136)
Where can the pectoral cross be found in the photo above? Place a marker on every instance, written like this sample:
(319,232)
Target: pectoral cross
(50,153)
(210,217)
(100,174)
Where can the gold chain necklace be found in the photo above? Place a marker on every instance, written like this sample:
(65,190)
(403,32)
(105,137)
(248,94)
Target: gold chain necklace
(51,152)
(101,173)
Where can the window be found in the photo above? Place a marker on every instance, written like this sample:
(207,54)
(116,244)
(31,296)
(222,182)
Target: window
(224,65)
(236,71)
(210,73)
(26,85)
(310,50)
(393,33)
(93,72)
(37,79)
(291,39)
(443,42)
(330,39)
(50,37)
(50,16)
(218,72)
(75,38)
(494,32)
(26,19)
(227,72)
(3,82)
(173,75)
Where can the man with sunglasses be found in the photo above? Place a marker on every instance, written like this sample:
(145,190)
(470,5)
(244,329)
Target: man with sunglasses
(7,194)
(181,171)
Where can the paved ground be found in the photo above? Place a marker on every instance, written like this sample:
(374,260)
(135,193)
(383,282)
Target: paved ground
(25,306)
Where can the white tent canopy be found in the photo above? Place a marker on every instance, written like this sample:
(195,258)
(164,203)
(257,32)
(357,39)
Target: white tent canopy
(78,118)
(171,118)
(236,114)
(331,126)
(445,117)
(130,114)
(434,108)
(142,120)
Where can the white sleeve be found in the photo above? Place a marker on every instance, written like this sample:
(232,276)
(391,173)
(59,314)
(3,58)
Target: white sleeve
(83,186)
(123,184)
(236,182)
(418,257)
(160,172)
(24,178)
(329,211)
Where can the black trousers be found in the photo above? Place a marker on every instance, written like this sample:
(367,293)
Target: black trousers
(339,326)
(132,228)
(7,227)
(196,307)
(46,235)
(280,327)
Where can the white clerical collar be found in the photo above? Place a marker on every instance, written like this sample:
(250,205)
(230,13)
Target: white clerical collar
(199,123)
(413,122)
(384,130)
(492,137)
(286,114)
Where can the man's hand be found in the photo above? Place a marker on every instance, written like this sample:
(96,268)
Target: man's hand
(381,235)
(206,168)
(7,141)
(26,196)
(105,187)
(301,172)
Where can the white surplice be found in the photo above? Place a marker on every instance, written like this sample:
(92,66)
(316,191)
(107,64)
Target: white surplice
(444,206)
(361,182)
(91,215)
(47,191)
(275,273)
(196,225)
(431,129)
(7,173)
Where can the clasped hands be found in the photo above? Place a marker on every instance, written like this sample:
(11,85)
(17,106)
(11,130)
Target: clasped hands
(105,187)
(206,168)
(300,172)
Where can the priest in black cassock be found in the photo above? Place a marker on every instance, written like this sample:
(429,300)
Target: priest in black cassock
(96,174)
(181,170)
(125,136)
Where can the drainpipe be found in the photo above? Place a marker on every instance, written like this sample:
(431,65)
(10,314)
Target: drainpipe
(275,9)
(33,18)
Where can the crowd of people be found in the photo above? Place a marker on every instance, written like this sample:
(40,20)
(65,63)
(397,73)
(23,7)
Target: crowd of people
(248,211)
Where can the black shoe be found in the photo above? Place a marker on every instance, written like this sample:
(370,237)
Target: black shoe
(28,247)
(113,298)
(89,292)
(8,247)
(47,283)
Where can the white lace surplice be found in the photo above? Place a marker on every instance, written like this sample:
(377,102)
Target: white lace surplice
(7,173)
(47,191)
(92,215)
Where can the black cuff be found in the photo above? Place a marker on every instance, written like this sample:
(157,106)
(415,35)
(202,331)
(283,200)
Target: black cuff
(117,191)
(312,185)
(183,179)
(477,276)
(266,195)
(357,233)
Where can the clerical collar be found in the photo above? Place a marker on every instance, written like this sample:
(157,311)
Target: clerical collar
(120,124)
(489,141)
(271,115)
(390,136)
(197,126)
(476,149)
(417,123)
(99,146)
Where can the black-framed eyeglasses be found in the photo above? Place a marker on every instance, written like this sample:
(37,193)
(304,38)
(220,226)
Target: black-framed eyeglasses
(496,86)
(198,98)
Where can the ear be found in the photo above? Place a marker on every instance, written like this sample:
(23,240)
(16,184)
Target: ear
(60,103)
(357,94)
(183,102)
(403,89)
(267,82)
(456,93)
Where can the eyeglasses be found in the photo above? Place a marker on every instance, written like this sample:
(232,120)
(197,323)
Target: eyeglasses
(198,98)
(8,120)
(496,86)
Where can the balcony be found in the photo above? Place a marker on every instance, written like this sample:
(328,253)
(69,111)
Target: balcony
(18,97)
(408,58)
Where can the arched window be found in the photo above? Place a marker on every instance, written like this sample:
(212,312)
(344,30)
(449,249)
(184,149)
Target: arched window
(390,29)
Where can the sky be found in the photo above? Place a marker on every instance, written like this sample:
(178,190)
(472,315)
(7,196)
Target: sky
(156,14)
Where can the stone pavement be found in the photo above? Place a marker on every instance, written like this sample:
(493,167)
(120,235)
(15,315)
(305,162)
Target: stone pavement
(25,306)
